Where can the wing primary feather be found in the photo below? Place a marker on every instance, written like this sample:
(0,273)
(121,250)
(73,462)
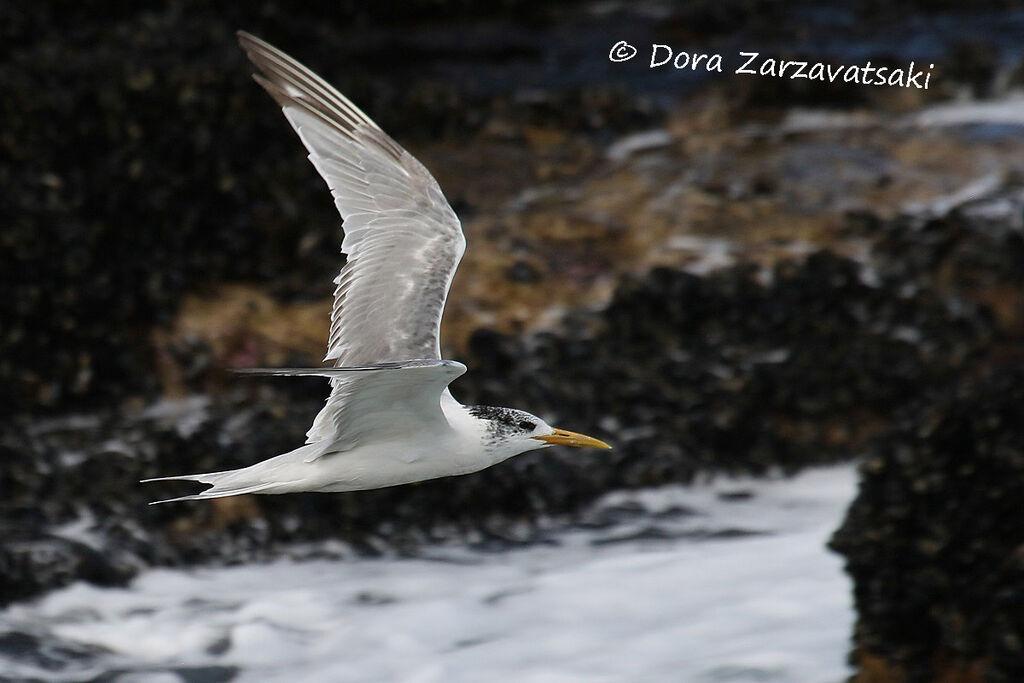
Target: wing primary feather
(317,96)
(273,60)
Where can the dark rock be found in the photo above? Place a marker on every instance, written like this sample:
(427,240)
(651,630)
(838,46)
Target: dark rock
(935,539)
(723,372)
(682,374)
(33,565)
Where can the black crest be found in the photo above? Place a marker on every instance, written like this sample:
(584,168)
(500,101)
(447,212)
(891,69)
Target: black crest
(504,421)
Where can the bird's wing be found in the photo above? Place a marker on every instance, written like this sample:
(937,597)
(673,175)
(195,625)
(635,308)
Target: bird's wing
(402,241)
(376,401)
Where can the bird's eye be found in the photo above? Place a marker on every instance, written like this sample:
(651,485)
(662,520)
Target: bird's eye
(527,425)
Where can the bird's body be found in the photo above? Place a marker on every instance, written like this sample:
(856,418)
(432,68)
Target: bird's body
(452,448)
(390,418)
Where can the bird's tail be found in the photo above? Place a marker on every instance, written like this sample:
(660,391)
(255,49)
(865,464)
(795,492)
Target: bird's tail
(222,485)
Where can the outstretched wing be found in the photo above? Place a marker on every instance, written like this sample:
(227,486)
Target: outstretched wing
(402,239)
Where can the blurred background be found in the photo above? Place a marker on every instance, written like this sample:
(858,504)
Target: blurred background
(794,307)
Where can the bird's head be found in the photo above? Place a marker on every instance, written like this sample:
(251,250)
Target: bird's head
(516,431)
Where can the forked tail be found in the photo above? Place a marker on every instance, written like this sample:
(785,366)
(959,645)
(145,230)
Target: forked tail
(221,487)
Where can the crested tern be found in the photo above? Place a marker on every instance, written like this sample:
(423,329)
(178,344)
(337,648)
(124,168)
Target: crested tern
(390,418)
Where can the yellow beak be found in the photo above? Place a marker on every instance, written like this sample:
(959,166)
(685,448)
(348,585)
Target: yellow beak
(566,438)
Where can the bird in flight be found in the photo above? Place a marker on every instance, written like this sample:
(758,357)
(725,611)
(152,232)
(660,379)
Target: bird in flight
(390,418)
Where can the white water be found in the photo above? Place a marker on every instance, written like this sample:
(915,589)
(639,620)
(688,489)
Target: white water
(700,603)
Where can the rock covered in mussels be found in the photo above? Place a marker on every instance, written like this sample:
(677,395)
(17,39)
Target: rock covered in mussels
(934,541)
(681,373)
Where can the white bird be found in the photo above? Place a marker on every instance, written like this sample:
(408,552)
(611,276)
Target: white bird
(390,418)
